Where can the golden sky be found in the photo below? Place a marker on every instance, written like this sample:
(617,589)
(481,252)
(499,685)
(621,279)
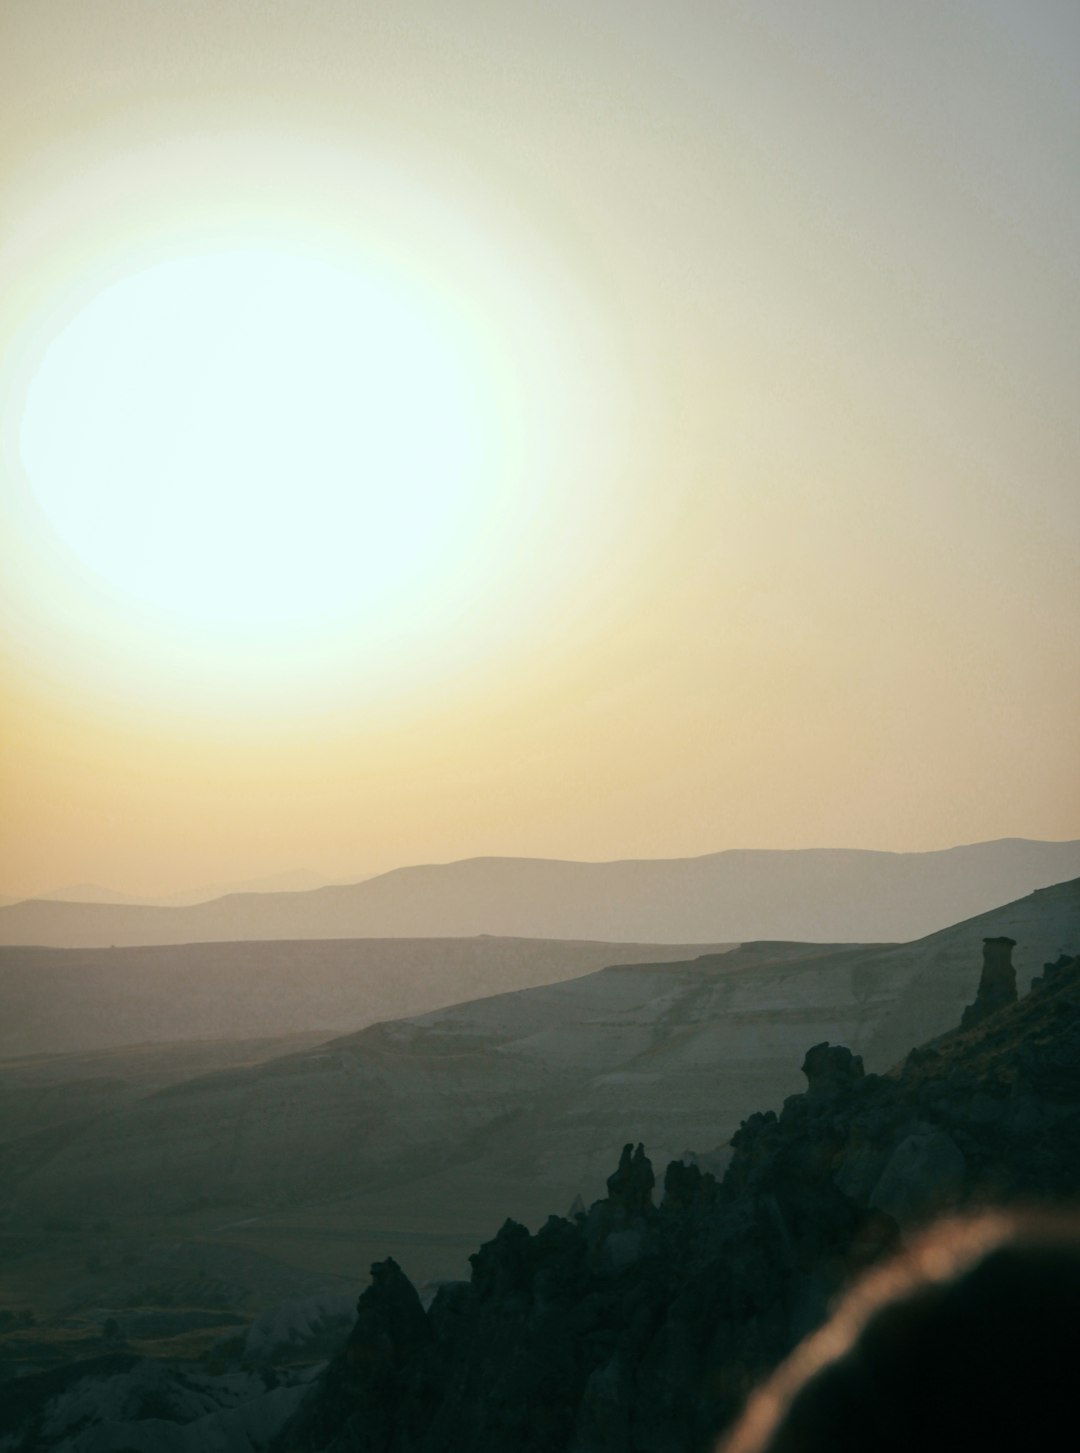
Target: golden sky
(567,429)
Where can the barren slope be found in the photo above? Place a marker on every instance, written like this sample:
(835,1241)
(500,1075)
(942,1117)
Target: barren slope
(513,1104)
(63,1000)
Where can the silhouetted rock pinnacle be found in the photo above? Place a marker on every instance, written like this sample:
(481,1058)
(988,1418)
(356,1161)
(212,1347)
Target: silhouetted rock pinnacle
(364,1398)
(640,1329)
(630,1188)
(997,986)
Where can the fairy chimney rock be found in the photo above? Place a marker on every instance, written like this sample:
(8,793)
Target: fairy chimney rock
(997,984)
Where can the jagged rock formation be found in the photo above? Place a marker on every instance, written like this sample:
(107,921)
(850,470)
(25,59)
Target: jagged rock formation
(1050,973)
(638,1328)
(630,1188)
(997,984)
(831,1070)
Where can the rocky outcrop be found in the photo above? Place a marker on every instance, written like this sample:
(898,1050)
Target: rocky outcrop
(638,1328)
(1050,973)
(831,1070)
(366,1387)
(630,1188)
(997,984)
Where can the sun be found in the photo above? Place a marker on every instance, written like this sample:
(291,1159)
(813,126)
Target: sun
(284,426)
(259,435)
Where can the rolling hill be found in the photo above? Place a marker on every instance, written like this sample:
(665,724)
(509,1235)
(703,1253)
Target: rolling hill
(411,1135)
(819,895)
(59,1001)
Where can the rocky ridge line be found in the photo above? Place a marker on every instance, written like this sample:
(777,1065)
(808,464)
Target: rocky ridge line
(636,1328)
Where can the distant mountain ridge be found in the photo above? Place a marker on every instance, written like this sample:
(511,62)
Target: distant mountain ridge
(811,894)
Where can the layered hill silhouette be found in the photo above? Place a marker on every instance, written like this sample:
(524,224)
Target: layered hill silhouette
(637,1326)
(408,1134)
(642,1322)
(61,1001)
(820,895)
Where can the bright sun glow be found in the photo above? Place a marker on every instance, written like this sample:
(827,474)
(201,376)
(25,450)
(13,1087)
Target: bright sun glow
(251,437)
(282,426)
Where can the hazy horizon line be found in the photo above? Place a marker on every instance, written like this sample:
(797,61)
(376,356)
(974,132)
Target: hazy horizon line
(168,897)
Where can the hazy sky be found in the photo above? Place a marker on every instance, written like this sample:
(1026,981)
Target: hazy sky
(565,429)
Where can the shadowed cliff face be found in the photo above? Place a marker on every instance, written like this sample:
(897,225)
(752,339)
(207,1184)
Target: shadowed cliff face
(637,1328)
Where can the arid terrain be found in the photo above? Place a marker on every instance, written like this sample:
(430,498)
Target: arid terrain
(292,1163)
(186,1225)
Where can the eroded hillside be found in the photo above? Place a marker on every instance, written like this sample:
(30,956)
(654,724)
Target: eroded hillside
(639,1329)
